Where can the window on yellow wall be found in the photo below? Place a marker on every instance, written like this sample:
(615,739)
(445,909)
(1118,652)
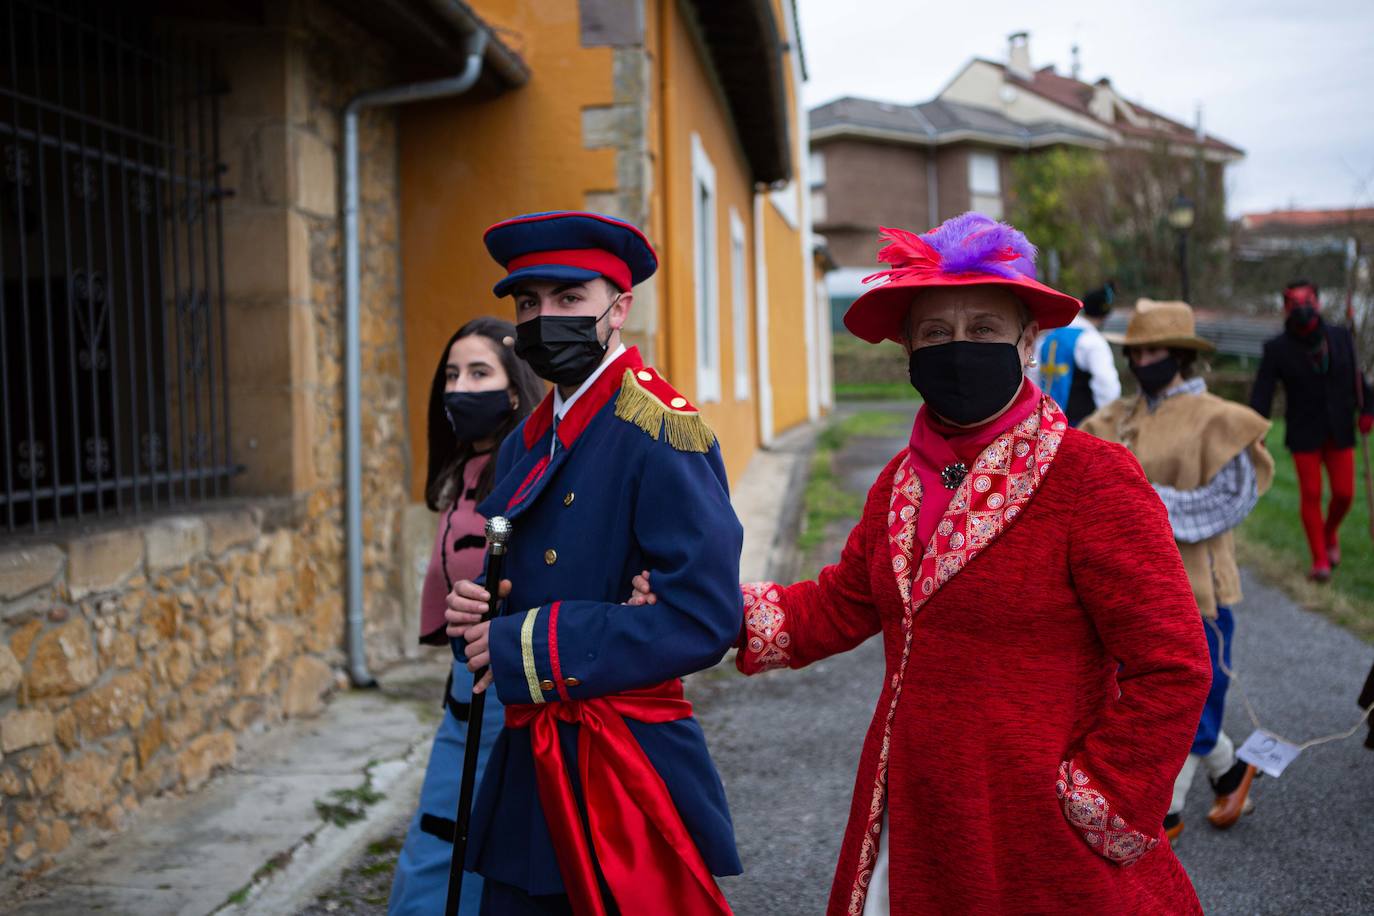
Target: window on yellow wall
(739,305)
(706,273)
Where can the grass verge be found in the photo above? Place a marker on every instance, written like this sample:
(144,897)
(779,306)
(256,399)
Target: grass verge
(348,805)
(874,391)
(1271,541)
(826,500)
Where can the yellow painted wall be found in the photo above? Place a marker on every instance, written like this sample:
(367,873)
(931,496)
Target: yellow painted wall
(468,162)
(787,267)
(786,327)
(688,103)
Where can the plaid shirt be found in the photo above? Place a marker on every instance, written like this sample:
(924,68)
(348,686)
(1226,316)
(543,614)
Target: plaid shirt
(1221,503)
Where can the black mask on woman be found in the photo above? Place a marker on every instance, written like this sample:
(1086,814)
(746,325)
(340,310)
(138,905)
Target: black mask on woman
(964,381)
(1155,376)
(476,415)
(561,349)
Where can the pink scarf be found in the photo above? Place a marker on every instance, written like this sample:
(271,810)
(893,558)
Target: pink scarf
(935,445)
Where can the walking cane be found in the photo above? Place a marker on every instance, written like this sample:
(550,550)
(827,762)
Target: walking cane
(498,534)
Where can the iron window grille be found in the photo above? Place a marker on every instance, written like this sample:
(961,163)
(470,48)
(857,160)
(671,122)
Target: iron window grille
(112,316)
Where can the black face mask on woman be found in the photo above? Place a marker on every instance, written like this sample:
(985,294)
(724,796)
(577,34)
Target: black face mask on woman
(562,349)
(1156,375)
(965,381)
(476,415)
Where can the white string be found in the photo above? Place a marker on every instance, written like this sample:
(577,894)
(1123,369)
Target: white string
(1250,709)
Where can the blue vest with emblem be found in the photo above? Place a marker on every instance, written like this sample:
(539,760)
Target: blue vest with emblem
(1057,366)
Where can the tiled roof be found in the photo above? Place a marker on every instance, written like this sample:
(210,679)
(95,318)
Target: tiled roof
(936,120)
(1307,219)
(1076,95)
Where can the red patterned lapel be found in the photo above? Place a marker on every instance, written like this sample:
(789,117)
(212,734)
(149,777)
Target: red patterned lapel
(989,500)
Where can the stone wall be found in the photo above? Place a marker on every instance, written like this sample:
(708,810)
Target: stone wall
(134,653)
(336,67)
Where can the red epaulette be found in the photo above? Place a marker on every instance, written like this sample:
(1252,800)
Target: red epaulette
(649,402)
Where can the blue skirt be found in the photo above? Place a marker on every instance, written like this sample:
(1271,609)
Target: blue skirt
(421,883)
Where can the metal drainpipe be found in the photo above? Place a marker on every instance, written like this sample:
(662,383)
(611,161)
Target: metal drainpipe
(353,425)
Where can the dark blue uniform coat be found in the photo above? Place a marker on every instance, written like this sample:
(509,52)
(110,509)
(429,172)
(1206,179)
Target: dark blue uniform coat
(612,501)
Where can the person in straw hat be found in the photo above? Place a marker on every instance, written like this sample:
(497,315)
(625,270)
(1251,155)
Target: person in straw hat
(1206,459)
(1044,662)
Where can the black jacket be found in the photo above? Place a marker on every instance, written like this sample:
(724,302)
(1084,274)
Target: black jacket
(1321,406)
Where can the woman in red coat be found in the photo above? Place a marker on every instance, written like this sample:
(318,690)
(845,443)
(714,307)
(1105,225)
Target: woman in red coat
(1045,661)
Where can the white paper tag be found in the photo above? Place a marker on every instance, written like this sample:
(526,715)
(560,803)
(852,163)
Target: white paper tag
(1270,754)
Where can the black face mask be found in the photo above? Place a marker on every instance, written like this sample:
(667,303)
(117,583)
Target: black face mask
(1302,322)
(964,381)
(1155,376)
(475,415)
(561,349)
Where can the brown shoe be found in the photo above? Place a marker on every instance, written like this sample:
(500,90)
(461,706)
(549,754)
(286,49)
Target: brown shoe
(1173,827)
(1230,806)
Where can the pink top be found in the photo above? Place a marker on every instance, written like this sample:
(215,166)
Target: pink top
(934,445)
(459,549)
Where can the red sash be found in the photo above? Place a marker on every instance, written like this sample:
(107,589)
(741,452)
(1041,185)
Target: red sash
(645,852)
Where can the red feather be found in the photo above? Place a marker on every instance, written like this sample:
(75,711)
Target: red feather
(906,249)
(906,252)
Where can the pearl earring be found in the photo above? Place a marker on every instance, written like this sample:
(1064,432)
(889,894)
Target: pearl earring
(1032,363)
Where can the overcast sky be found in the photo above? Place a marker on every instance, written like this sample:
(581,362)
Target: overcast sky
(1291,83)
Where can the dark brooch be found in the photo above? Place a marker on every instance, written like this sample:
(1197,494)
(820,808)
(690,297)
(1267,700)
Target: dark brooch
(953,474)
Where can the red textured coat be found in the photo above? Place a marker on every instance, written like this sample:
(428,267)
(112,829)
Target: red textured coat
(1010,685)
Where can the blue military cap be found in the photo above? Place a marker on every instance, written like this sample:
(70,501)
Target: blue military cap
(570,245)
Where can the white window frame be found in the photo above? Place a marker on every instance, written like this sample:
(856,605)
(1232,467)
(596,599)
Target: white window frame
(819,207)
(816,165)
(706,272)
(982,195)
(785,201)
(739,304)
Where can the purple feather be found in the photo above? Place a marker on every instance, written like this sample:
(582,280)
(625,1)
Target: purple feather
(974,243)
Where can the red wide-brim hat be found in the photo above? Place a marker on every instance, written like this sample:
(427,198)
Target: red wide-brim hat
(968,250)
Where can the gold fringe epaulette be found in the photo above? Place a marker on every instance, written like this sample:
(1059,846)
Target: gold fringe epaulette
(644,406)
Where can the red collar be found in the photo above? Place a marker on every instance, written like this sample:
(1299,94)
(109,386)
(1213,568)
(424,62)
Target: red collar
(585,407)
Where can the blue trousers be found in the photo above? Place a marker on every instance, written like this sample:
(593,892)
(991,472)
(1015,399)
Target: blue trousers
(421,883)
(1210,726)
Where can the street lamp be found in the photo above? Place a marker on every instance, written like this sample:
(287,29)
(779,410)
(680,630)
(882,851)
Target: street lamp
(1181,216)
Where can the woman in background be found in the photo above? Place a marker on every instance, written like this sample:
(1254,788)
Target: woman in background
(481,391)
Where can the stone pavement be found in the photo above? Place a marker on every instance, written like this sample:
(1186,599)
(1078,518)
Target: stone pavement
(253,838)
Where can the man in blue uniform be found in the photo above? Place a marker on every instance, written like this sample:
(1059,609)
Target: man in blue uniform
(600,795)
(1076,367)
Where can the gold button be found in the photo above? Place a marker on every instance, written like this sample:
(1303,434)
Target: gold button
(678,402)
(546,685)
(550,556)
(645,375)
(568,500)
(572,682)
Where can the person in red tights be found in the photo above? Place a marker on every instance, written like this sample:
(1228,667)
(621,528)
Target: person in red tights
(1325,390)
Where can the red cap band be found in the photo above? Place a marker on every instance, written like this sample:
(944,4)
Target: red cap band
(597,259)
